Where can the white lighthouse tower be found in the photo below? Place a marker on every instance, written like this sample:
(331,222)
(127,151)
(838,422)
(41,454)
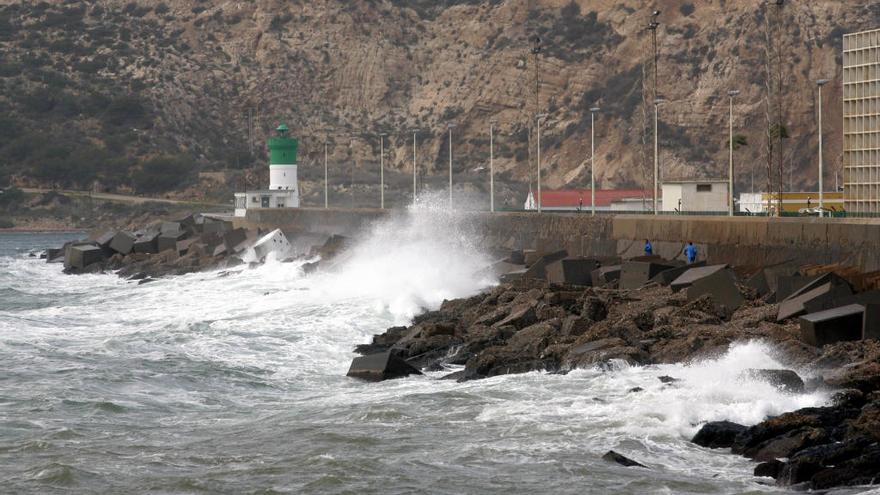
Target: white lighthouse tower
(283,189)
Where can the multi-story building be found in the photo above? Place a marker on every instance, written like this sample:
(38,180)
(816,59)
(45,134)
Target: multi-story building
(861,122)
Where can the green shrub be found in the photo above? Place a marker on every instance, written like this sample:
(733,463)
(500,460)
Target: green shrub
(163,173)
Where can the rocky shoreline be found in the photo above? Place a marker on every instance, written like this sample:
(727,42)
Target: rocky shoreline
(537,321)
(555,313)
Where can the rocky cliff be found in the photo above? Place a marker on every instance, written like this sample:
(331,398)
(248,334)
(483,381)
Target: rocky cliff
(210,78)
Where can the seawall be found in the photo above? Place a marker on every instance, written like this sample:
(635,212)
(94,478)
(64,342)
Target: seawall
(738,240)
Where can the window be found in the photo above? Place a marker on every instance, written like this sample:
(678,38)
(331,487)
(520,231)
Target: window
(704,187)
(279,204)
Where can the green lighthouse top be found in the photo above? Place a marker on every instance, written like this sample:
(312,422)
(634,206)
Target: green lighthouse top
(282,149)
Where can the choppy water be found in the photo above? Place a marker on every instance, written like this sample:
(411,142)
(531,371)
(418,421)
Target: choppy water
(209,384)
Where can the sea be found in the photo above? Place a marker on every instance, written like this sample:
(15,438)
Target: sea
(233,382)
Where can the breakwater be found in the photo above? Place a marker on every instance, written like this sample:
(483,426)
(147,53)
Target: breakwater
(738,240)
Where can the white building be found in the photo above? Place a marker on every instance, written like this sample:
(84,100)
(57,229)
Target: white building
(701,195)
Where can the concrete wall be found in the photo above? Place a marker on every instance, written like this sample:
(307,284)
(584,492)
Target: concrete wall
(760,240)
(749,241)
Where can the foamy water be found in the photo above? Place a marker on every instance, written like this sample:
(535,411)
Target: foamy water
(235,384)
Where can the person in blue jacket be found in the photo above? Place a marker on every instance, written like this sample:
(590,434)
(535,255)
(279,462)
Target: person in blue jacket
(691,252)
(649,249)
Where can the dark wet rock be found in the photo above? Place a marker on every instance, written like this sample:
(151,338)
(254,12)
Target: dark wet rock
(520,316)
(382,342)
(667,379)
(380,366)
(786,380)
(769,469)
(788,443)
(612,456)
(796,426)
(635,390)
(718,434)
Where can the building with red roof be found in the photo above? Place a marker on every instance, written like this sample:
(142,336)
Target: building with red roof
(575,199)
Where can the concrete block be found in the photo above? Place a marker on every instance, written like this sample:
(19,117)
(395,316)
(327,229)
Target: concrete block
(834,325)
(104,240)
(786,285)
(381,366)
(517,257)
(147,243)
(818,299)
(216,226)
(574,271)
(606,275)
(666,277)
(83,255)
(758,282)
(832,278)
(170,228)
(55,255)
(166,242)
(690,276)
(123,242)
(273,242)
(184,245)
(220,250)
(235,240)
(577,271)
(192,223)
(530,256)
(211,240)
(634,274)
(871,321)
(721,287)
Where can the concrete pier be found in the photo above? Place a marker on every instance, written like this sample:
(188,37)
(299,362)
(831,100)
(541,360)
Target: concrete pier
(740,241)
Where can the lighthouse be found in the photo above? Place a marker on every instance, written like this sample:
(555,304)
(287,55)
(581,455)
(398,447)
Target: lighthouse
(282,163)
(283,191)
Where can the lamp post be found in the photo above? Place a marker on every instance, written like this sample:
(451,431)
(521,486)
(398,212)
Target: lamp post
(450,126)
(593,160)
(492,124)
(415,169)
(382,170)
(326,188)
(820,83)
(540,118)
(657,103)
(731,94)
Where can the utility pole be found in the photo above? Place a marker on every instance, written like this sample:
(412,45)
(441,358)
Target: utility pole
(593,160)
(657,103)
(326,178)
(415,169)
(653,28)
(492,124)
(731,94)
(820,83)
(540,117)
(382,170)
(451,126)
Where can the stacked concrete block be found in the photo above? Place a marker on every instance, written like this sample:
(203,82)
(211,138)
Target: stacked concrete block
(721,287)
(841,324)
(692,275)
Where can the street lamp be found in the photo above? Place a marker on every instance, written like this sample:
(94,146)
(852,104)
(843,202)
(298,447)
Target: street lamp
(326,178)
(593,111)
(415,169)
(382,170)
(450,126)
(731,94)
(820,83)
(540,118)
(657,103)
(492,124)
